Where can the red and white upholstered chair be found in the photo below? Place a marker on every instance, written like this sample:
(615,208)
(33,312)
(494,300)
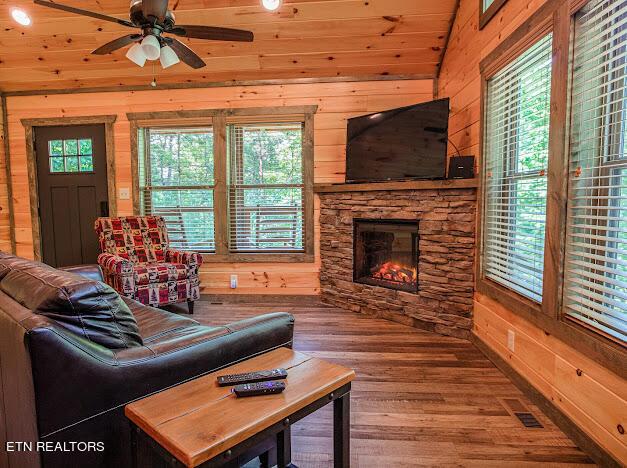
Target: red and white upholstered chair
(138,263)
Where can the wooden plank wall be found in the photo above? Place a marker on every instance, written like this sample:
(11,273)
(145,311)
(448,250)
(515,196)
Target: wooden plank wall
(596,400)
(5,225)
(336,102)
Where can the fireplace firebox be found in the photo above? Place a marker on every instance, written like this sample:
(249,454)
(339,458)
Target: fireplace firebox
(385,253)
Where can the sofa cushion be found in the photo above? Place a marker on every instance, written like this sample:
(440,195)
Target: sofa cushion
(86,307)
(156,323)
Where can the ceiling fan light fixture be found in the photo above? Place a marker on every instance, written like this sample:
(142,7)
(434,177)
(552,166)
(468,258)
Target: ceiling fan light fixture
(271,5)
(20,16)
(168,57)
(136,55)
(151,47)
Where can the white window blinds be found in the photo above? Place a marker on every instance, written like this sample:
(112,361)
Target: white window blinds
(516,154)
(266,188)
(595,288)
(177,182)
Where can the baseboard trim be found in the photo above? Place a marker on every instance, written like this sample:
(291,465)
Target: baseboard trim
(299,300)
(598,454)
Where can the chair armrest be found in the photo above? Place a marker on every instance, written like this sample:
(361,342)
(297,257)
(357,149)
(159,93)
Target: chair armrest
(91,271)
(184,257)
(100,380)
(115,264)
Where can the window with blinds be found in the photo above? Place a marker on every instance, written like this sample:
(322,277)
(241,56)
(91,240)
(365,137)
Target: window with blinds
(516,156)
(595,283)
(176,181)
(266,187)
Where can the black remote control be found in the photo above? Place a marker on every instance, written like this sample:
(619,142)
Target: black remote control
(258,388)
(250,377)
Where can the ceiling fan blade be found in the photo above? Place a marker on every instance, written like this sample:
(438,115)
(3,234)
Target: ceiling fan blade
(186,54)
(79,11)
(117,44)
(213,33)
(155,8)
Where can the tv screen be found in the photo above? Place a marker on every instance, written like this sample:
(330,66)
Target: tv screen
(399,144)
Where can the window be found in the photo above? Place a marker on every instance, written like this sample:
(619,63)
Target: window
(236,184)
(515,182)
(266,188)
(71,155)
(595,286)
(177,182)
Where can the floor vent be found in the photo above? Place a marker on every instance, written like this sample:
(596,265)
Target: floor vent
(529,420)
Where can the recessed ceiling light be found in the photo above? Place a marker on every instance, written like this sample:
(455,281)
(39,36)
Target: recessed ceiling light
(21,16)
(271,4)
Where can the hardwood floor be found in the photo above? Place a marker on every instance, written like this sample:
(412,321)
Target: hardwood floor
(420,399)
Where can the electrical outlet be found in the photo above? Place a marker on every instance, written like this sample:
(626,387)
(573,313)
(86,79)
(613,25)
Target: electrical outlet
(233,281)
(511,338)
(124,193)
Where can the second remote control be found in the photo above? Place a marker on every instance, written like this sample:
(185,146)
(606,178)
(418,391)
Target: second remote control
(250,377)
(258,388)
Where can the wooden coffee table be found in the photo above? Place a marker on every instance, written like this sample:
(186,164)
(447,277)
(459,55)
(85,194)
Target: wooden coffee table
(198,423)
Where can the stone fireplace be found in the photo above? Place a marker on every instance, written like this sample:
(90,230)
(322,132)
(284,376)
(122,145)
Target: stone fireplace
(385,253)
(405,255)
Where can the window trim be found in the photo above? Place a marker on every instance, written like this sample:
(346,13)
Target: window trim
(556,16)
(486,15)
(217,118)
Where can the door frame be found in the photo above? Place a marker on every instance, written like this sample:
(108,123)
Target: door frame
(31,163)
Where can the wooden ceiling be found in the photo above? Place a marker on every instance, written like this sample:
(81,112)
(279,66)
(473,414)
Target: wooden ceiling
(304,39)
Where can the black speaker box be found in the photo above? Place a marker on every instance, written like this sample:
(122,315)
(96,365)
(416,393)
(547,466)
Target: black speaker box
(461,167)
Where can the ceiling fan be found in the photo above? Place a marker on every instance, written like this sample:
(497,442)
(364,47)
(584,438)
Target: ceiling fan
(154,19)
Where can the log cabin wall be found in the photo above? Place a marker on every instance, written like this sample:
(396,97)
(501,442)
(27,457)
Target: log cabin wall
(594,398)
(5,220)
(336,102)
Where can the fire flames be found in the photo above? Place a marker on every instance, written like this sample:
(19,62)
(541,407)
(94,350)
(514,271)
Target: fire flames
(390,271)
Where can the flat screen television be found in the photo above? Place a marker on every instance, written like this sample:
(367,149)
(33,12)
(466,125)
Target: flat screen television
(399,144)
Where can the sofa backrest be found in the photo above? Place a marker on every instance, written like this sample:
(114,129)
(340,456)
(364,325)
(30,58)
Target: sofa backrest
(88,308)
(139,239)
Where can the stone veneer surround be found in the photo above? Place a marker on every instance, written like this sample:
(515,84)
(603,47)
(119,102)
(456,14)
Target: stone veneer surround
(446,256)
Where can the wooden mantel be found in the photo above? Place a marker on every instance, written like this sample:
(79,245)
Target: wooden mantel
(404,185)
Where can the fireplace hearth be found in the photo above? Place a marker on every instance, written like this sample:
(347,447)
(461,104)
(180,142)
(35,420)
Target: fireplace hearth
(386,253)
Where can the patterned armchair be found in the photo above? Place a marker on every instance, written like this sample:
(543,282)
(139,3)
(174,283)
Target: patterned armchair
(137,262)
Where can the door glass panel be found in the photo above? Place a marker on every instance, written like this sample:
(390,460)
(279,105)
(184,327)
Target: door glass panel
(71,164)
(71,147)
(57,165)
(55,147)
(64,155)
(84,147)
(87,164)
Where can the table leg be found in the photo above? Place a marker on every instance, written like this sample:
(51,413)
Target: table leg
(341,431)
(134,463)
(263,460)
(284,449)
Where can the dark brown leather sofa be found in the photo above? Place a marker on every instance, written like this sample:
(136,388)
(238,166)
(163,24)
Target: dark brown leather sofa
(73,354)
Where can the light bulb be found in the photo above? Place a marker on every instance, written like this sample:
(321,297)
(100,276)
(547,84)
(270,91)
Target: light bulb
(21,16)
(151,47)
(168,57)
(271,4)
(136,55)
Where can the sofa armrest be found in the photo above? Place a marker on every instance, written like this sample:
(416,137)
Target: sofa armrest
(184,257)
(99,382)
(114,264)
(91,271)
